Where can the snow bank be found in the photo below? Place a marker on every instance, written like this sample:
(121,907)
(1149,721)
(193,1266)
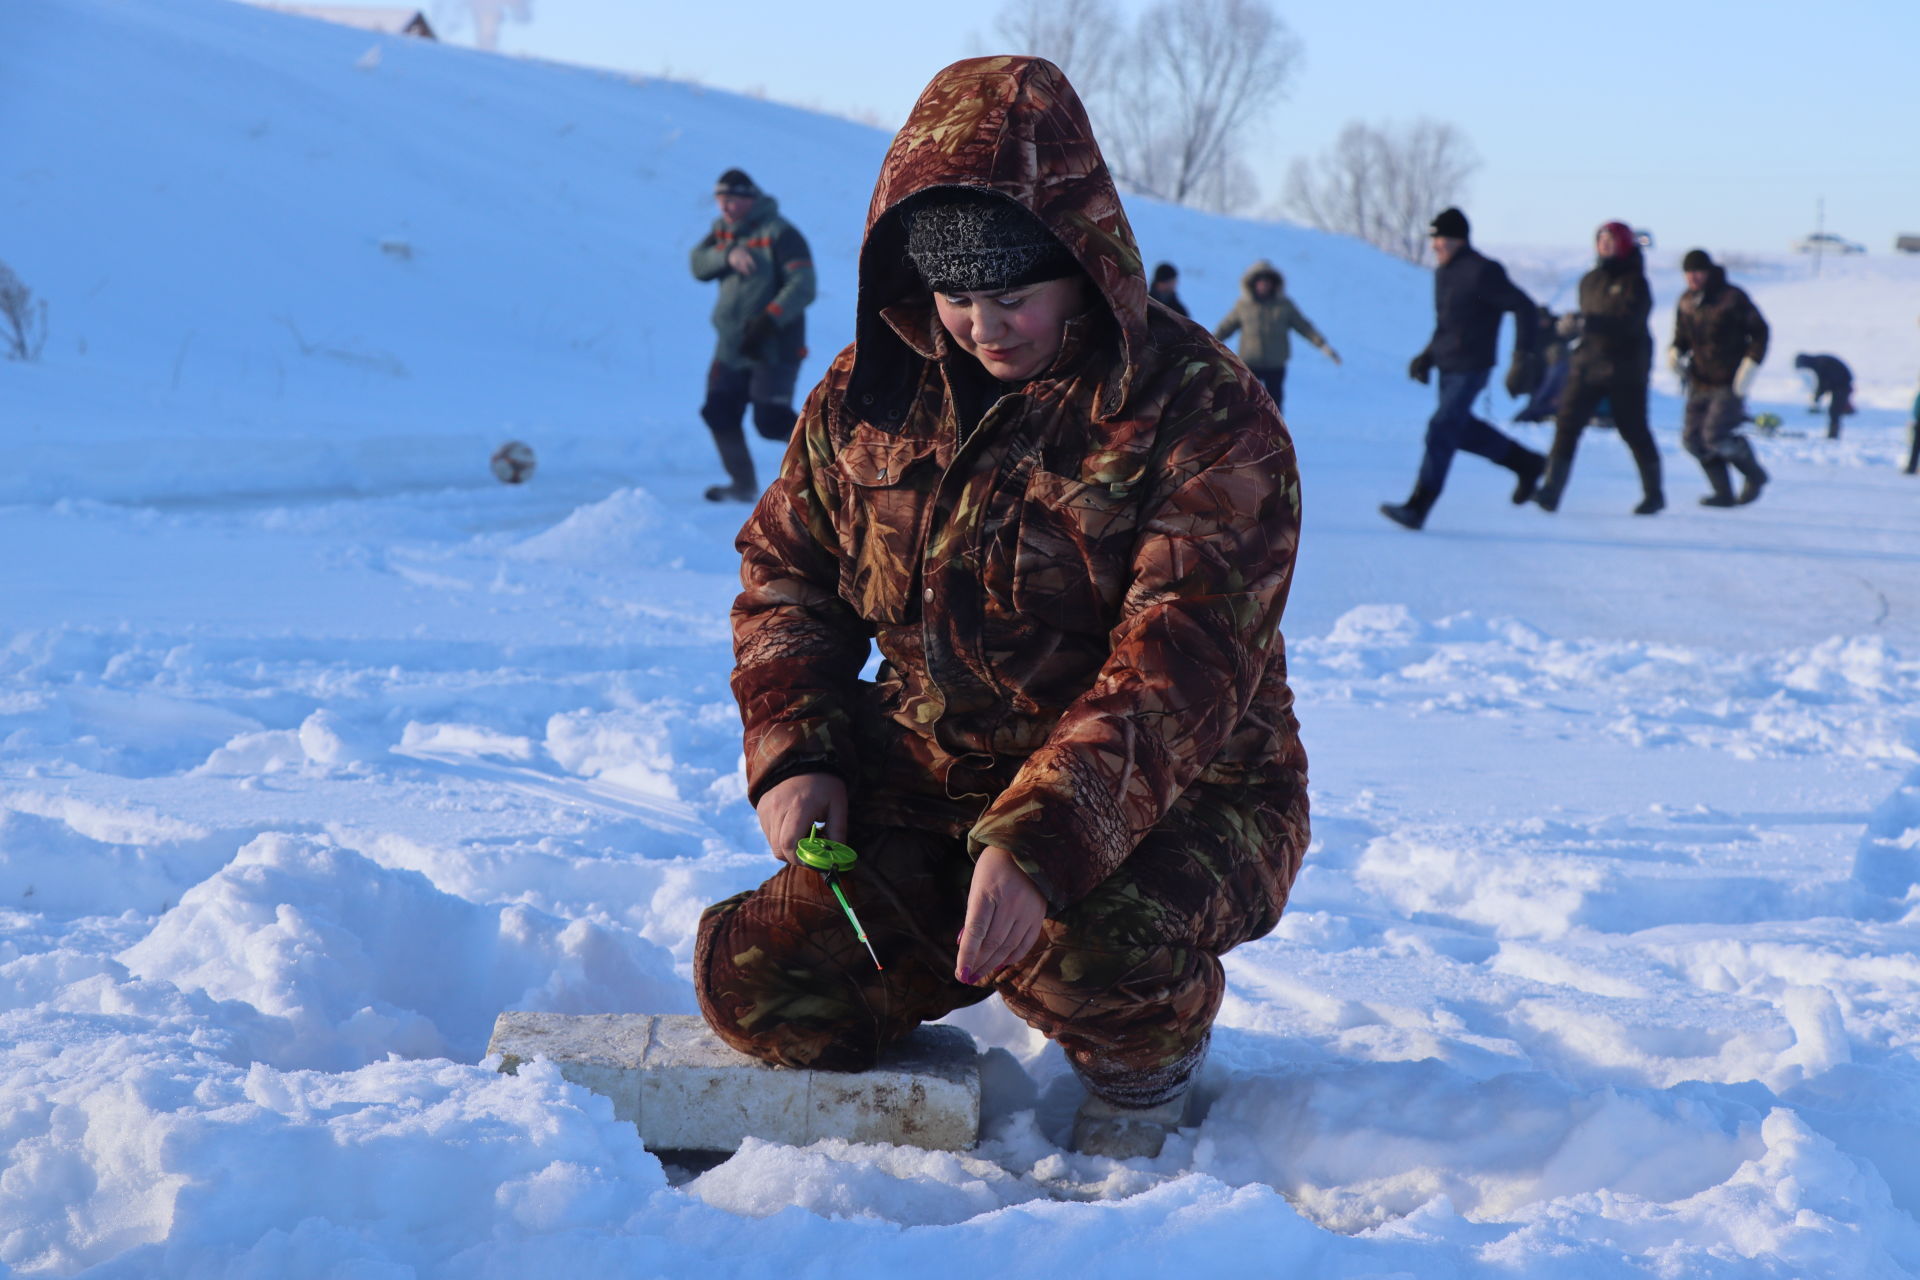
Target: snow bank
(358,961)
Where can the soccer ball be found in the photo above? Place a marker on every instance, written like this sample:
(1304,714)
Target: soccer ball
(512,462)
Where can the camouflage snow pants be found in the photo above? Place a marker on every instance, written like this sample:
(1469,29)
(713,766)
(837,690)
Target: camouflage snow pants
(1127,980)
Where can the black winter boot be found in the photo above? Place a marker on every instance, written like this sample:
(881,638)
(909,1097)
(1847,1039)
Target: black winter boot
(1412,513)
(1527,467)
(1553,484)
(1653,497)
(1753,478)
(1722,495)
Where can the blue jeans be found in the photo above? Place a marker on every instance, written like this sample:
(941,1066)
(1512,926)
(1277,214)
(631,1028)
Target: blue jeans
(1453,427)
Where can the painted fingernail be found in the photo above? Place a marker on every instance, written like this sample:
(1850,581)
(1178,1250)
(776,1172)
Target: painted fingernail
(966,976)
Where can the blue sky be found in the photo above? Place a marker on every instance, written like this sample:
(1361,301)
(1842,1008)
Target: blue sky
(1711,123)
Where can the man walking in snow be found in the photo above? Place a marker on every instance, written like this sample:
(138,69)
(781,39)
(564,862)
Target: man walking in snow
(1470,292)
(1719,340)
(766,281)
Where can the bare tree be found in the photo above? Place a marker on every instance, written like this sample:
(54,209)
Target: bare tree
(23,319)
(1197,73)
(1081,37)
(1171,98)
(1383,184)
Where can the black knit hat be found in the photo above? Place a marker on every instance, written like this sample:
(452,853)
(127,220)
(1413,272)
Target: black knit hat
(962,240)
(1164,271)
(1450,223)
(735,182)
(1696,260)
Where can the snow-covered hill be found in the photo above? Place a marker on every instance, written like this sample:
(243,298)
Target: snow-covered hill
(318,747)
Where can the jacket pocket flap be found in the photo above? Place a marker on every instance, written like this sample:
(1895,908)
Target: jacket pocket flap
(876,463)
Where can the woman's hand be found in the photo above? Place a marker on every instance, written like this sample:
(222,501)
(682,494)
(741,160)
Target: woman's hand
(789,809)
(1005,910)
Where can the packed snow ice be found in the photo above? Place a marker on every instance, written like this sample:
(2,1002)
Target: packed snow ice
(319,748)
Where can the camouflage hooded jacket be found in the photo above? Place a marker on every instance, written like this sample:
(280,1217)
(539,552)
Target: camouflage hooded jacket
(1077,600)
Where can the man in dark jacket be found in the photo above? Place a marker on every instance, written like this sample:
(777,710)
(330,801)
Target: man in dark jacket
(1610,363)
(766,281)
(1165,287)
(1719,340)
(1833,381)
(1470,292)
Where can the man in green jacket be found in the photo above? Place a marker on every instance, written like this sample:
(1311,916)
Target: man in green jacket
(766,281)
(1263,317)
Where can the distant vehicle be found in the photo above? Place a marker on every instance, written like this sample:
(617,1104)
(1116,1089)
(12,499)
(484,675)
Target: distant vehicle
(1907,244)
(1827,242)
(1643,237)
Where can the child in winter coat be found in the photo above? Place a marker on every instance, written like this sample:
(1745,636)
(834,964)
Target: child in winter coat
(1264,317)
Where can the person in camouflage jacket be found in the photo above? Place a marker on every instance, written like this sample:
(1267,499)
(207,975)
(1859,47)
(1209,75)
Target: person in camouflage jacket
(1610,363)
(1077,779)
(766,280)
(1265,318)
(1719,340)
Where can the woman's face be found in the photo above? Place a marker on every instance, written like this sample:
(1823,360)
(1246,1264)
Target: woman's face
(1014,334)
(1603,243)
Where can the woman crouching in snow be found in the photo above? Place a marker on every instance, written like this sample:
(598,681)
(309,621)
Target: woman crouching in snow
(1069,524)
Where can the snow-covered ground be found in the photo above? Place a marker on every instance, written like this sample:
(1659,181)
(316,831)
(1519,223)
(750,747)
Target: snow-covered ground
(318,747)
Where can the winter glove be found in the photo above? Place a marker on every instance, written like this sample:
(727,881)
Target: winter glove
(1421,369)
(1676,362)
(1743,376)
(755,335)
(1523,375)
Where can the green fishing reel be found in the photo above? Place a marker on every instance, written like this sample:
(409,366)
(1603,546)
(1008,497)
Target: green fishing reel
(830,858)
(822,854)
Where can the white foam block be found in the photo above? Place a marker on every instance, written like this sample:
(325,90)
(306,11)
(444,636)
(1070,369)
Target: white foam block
(686,1090)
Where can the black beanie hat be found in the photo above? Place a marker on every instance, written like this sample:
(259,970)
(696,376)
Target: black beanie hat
(1450,223)
(735,182)
(1164,271)
(1696,260)
(962,240)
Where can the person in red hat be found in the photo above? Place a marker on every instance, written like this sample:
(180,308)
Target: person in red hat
(1611,363)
